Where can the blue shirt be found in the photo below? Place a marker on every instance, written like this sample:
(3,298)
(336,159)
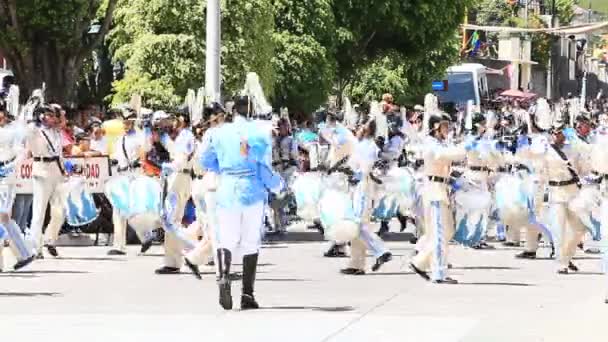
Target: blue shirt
(237,152)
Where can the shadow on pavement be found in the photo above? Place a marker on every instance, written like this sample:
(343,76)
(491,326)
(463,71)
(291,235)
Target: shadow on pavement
(14,274)
(485,268)
(311,308)
(91,259)
(497,284)
(29,294)
(282,279)
(389,274)
(52,272)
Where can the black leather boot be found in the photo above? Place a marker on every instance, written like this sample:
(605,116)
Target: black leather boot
(224,259)
(250,264)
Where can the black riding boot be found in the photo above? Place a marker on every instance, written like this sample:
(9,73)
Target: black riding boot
(224,259)
(250,264)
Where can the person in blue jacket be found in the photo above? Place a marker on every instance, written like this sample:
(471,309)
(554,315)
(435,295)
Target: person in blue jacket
(237,153)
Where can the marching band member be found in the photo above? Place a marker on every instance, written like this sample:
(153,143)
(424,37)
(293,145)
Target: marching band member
(479,163)
(285,155)
(560,162)
(361,162)
(180,143)
(204,187)
(48,174)
(12,152)
(128,151)
(237,153)
(340,141)
(438,221)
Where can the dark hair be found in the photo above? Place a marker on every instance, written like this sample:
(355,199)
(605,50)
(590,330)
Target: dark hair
(369,131)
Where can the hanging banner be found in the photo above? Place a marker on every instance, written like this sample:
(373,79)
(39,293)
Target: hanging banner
(95,169)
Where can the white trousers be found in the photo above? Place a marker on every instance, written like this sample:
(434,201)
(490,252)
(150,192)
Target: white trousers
(207,220)
(176,238)
(45,190)
(120,232)
(20,248)
(240,228)
(439,230)
(570,229)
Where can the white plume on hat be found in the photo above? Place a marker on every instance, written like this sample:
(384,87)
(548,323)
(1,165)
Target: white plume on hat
(543,117)
(253,89)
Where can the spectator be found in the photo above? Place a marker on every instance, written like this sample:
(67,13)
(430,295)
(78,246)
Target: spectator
(82,147)
(99,142)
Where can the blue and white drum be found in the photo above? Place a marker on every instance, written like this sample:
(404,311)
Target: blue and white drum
(7,196)
(587,205)
(145,204)
(473,205)
(80,208)
(338,215)
(307,189)
(117,191)
(398,193)
(514,200)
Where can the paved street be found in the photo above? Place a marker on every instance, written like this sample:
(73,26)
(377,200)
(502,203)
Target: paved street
(87,295)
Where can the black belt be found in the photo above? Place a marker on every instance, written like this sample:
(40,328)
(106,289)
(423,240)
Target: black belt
(186,171)
(197,176)
(438,179)
(509,168)
(479,168)
(564,183)
(46,159)
(600,175)
(126,168)
(4,163)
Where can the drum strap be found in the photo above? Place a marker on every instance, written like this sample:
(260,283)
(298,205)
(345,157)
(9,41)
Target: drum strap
(571,169)
(124,149)
(48,141)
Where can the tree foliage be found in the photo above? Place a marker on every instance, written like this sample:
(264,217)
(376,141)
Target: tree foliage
(304,53)
(162,43)
(47,41)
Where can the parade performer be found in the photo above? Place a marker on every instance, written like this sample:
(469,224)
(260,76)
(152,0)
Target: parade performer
(204,187)
(180,143)
(129,149)
(537,135)
(560,162)
(43,140)
(474,202)
(12,152)
(438,222)
(340,141)
(285,155)
(365,153)
(238,153)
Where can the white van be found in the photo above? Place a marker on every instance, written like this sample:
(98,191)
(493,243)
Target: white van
(465,82)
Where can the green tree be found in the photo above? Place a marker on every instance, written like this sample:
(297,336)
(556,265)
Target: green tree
(47,41)
(368,29)
(406,80)
(162,44)
(304,58)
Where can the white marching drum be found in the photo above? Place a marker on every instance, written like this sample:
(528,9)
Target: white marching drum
(145,202)
(473,204)
(7,197)
(80,208)
(514,200)
(338,215)
(587,205)
(397,193)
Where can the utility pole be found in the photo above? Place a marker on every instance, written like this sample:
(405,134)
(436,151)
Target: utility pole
(213,57)
(550,66)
